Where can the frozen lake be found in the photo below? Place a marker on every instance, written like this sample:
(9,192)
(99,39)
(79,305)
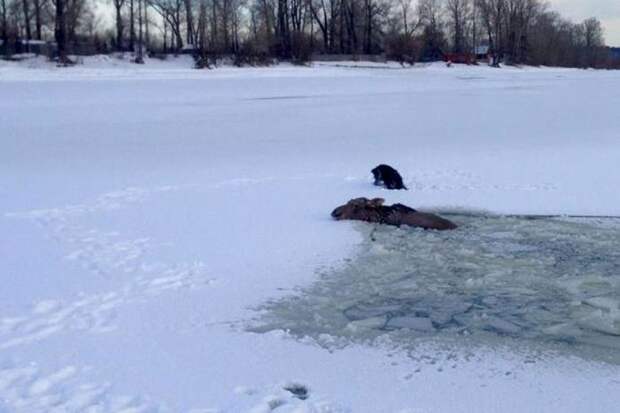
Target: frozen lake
(149,214)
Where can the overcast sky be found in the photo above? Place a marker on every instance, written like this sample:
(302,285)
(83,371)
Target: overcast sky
(607,11)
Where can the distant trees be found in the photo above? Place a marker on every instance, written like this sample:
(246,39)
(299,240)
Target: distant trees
(555,41)
(514,31)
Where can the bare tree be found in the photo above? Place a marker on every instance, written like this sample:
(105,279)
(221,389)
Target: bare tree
(593,33)
(140,55)
(4,33)
(76,15)
(593,41)
(410,22)
(147,38)
(189,23)
(170,11)
(459,12)
(118,6)
(60,32)
(39,10)
(518,17)
(431,19)
(27,18)
(325,12)
(283,29)
(492,13)
(202,34)
(371,9)
(132,28)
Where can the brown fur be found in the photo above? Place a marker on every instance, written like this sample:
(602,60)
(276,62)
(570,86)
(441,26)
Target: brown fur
(373,210)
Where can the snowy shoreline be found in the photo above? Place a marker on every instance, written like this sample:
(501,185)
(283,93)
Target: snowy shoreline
(144,222)
(120,67)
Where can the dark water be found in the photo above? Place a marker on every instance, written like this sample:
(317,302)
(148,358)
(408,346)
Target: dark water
(538,281)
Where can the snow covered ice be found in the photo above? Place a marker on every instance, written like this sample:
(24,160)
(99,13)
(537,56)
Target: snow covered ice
(150,216)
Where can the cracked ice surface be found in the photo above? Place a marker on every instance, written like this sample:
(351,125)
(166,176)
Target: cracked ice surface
(552,282)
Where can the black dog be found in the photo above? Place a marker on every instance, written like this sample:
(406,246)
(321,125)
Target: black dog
(389,177)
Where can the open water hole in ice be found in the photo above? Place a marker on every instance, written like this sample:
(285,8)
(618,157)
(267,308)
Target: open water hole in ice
(539,283)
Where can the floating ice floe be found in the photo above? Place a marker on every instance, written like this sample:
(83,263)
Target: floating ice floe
(544,280)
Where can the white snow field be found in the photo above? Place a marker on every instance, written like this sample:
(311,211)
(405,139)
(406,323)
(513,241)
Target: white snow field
(148,212)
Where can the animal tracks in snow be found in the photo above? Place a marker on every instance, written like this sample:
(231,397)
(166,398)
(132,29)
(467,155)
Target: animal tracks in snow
(105,253)
(29,389)
(109,201)
(135,278)
(95,313)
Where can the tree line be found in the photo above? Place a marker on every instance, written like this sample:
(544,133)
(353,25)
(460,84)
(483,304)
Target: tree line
(255,31)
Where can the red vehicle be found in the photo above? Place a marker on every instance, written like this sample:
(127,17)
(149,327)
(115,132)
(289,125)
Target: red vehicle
(461,58)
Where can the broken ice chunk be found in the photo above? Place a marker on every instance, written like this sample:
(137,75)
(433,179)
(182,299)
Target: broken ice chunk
(413,323)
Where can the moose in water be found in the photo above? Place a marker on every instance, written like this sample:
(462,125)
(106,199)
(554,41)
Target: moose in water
(373,210)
